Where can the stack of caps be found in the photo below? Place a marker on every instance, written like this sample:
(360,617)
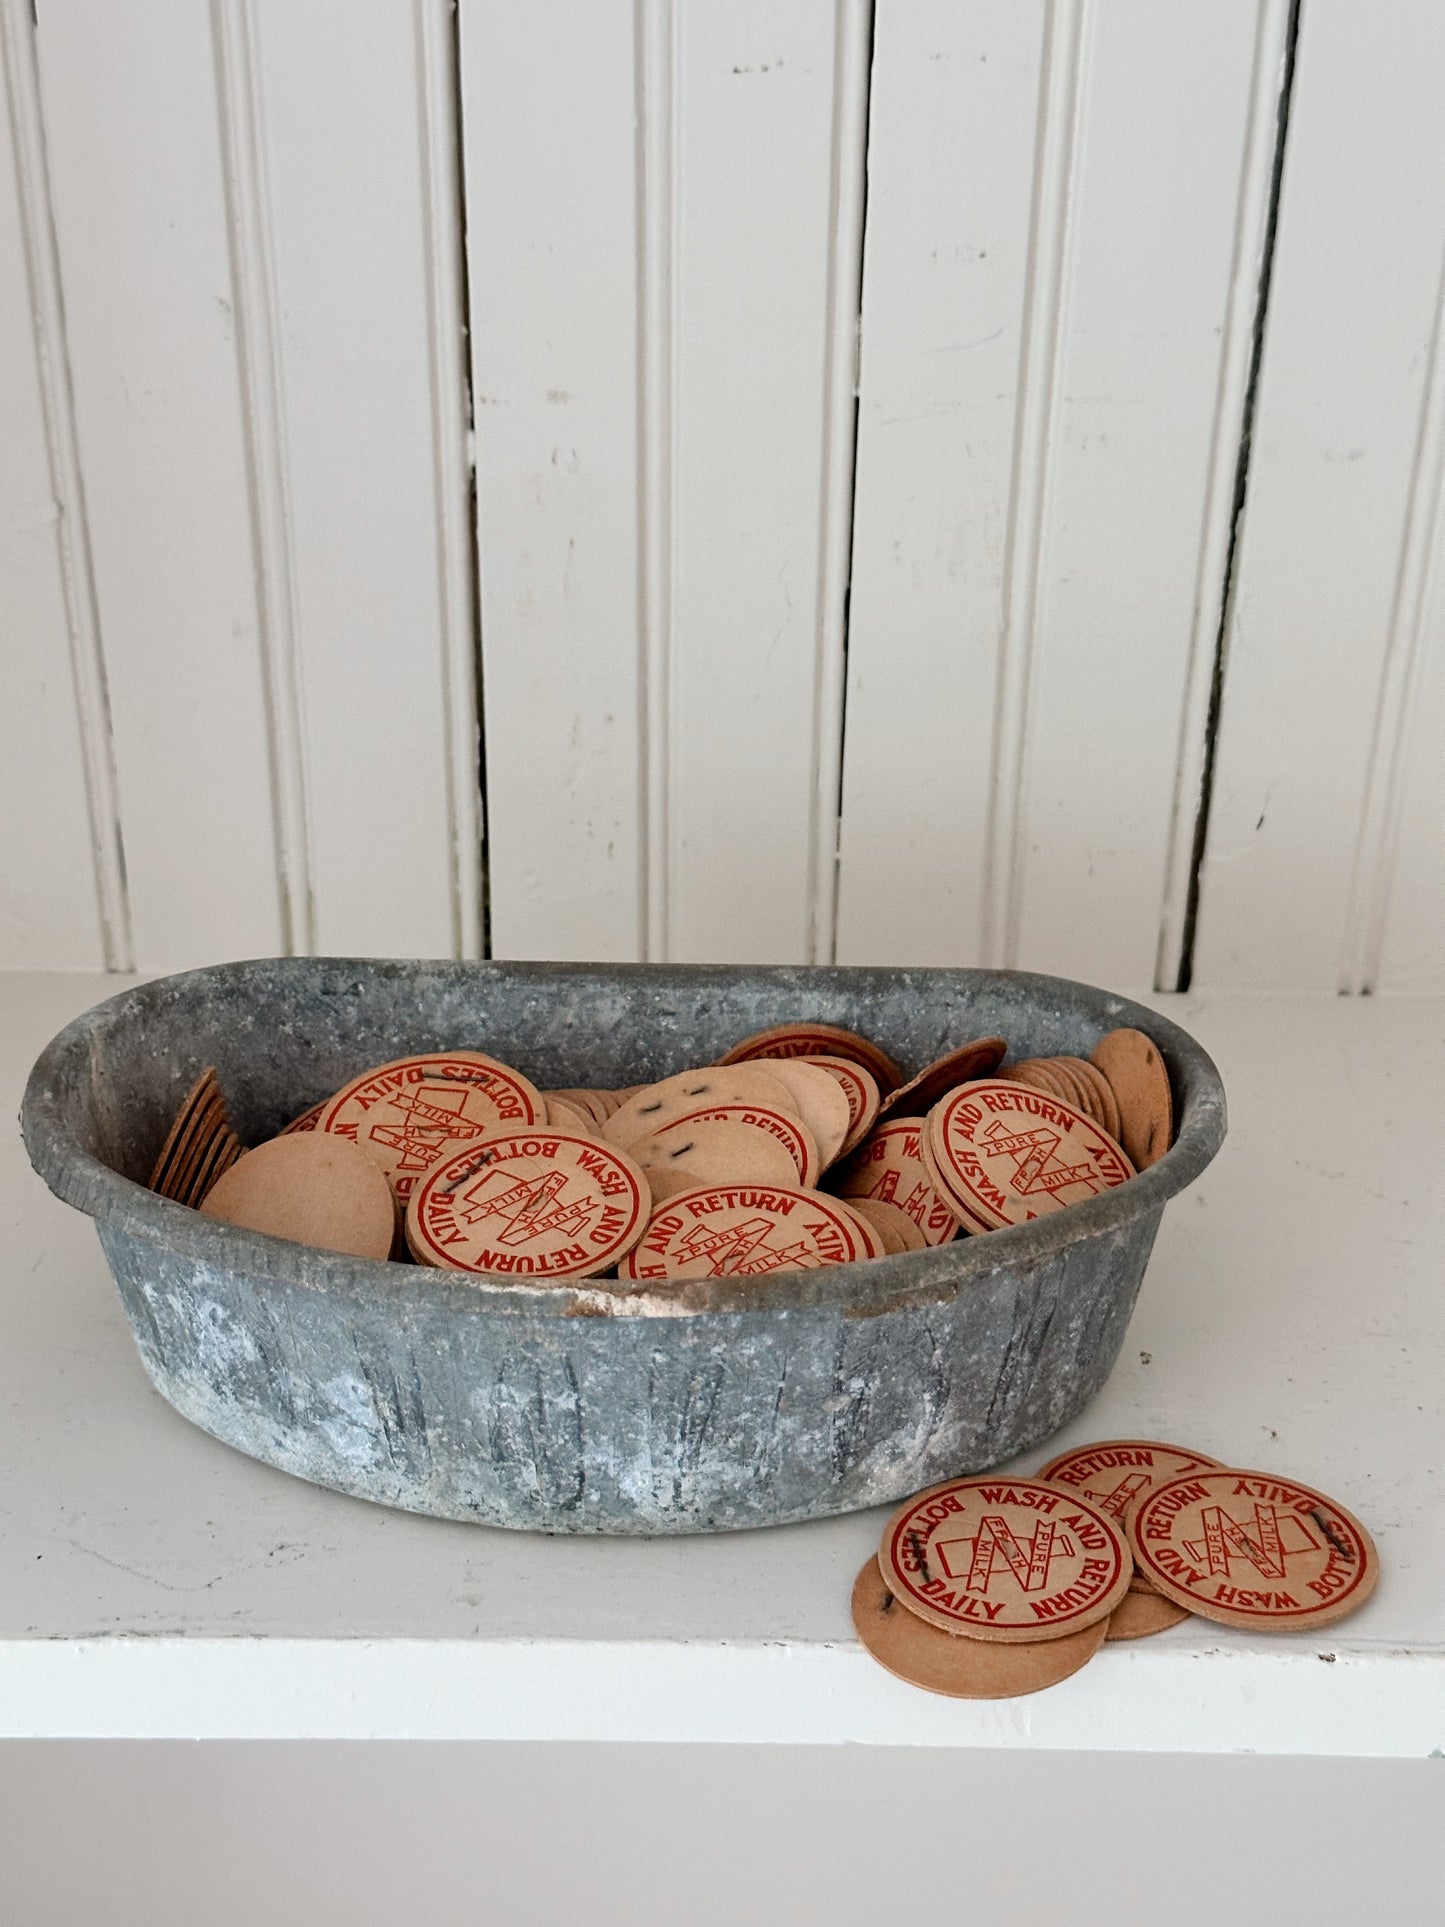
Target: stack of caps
(992,1587)
(200,1146)
(803,1147)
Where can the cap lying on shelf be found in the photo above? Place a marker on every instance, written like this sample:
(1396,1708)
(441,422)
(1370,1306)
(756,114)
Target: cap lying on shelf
(971,1669)
(1251,1550)
(987,1587)
(1114,1473)
(1005,1559)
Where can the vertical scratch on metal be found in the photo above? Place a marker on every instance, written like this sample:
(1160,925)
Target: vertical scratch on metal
(258,342)
(444,231)
(1061,84)
(852,67)
(657,29)
(77,572)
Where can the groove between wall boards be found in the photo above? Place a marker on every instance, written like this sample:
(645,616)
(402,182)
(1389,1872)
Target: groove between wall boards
(1062,82)
(1220,664)
(1236,351)
(444,227)
(87,656)
(1390,743)
(852,61)
(238,87)
(657,27)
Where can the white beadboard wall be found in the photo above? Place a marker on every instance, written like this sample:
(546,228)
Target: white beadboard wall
(1326,858)
(664,219)
(706,479)
(1065,215)
(62,889)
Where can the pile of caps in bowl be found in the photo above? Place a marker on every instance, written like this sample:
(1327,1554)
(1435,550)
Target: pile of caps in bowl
(804,1146)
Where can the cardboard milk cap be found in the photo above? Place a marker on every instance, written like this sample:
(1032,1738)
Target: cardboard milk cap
(406,1113)
(892,1223)
(888,1168)
(746,1231)
(860,1087)
(690,1092)
(202,1097)
(1141,1614)
(818,1040)
(871,1242)
(1098,1092)
(783,1127)
(1007,1153)
(1253,1550)
(1140,1083)
(567,1116)
(1114,1474)
(204,1127)
(532,1205)
(1005,1559)
(968,1222)
(730,1144)
(969,1669)
(961,1066)
(314,1189)
(820,1101)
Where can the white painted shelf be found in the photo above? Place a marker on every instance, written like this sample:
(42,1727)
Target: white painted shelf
(154,1583)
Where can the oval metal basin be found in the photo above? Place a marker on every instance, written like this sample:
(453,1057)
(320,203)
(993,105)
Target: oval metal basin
(750,1402)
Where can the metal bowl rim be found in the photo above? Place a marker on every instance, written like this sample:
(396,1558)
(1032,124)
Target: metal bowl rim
(81,1179)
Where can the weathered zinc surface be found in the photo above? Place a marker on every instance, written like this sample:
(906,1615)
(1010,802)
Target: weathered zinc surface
(588,1408)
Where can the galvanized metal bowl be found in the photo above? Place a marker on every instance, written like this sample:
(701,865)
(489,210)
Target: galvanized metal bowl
(572,1408)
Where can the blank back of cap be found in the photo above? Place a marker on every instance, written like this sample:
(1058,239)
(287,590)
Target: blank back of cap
(311,1187)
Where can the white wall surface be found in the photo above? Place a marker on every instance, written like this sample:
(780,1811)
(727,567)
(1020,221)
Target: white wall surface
(325,1835)
(777,466)
(1328,835)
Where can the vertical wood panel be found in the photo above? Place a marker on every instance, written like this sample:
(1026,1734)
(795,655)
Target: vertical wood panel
(258,224)
(130,107)
(663,351)
(951,158)
(1403,941)
(1339,512)
(1228,457)
(755,199)
(358,424)
(852,81)
(453,475)
(1067,60)
(62,903)
(548,142)
(239,458)
(656,109)
(1061,200)
(256,313)
(1395,927)
(1172,184)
